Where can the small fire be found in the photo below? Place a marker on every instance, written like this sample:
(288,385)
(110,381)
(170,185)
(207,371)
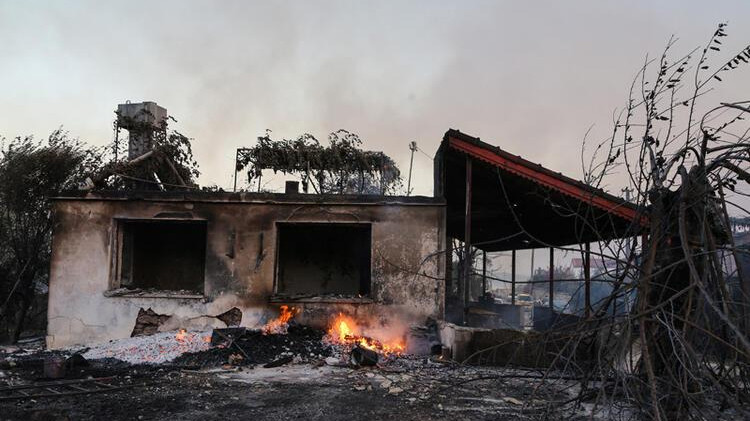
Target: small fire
(345,331)
(182,335)
(280,324)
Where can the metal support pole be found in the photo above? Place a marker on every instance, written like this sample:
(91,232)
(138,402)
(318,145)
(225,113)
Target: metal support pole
(467,239)
(449,267)
(236,158)
(412,147)
(551,278)
(513,277)
(484,272)
(587,279)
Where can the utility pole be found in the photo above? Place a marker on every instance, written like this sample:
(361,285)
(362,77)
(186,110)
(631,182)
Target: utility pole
(236,160)
(413,148)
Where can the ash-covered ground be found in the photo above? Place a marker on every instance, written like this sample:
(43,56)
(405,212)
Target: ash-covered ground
(316,381)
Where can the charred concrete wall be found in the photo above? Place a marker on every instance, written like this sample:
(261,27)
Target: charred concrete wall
(241,243)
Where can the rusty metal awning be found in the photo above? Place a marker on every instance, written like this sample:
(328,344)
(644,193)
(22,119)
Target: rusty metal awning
(516,204)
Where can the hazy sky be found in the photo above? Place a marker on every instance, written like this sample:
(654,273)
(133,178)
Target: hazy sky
(528,76)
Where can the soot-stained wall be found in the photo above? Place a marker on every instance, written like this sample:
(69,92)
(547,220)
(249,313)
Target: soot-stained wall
(241,230)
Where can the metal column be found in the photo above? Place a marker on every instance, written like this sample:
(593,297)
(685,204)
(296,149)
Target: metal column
(513,277)
(551,278)
(484,272)
(449,281)
(587,279)
(467,238)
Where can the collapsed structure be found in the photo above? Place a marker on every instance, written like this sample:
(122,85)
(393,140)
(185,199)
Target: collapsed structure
(186,258)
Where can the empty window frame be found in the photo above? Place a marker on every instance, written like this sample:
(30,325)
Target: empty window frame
(162,255)
(320,259)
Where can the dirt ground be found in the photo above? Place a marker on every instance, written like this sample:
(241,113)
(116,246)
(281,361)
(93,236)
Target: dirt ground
(313,380)
(410,389)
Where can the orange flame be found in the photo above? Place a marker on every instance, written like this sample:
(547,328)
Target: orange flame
(280,324)
(182,335)
(345,331)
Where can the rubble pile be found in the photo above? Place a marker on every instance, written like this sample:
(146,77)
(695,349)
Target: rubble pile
(298,344)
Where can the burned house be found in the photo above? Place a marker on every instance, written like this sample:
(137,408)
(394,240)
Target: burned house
(186,258)
(193,256)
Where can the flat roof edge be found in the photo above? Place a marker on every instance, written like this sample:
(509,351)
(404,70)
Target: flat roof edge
(248,198)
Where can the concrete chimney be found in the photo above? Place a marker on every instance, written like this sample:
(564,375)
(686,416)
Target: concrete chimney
(291,187)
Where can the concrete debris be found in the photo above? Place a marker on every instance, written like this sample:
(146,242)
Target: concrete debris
(333,361)
(147,322)
(232,317)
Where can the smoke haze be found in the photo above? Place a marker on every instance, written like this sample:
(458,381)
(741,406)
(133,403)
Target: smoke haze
(531,77)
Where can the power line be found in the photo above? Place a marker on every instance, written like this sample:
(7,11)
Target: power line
(424,153)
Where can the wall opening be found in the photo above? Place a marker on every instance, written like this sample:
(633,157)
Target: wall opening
(320,259)
(163,255)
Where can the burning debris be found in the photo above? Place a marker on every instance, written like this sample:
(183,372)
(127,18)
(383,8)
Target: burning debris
(299,344)
(183,336)
(280,324)
(280,341)
(346,331)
